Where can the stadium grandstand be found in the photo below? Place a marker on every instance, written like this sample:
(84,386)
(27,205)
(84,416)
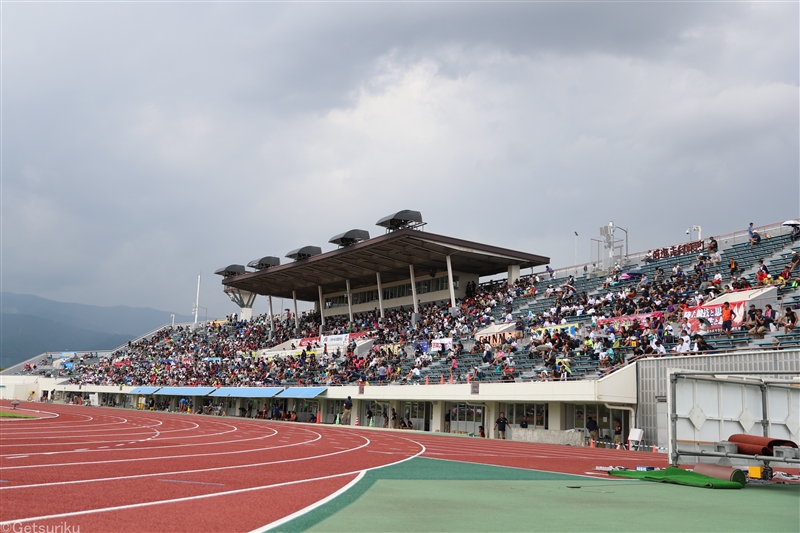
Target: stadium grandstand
(414,323)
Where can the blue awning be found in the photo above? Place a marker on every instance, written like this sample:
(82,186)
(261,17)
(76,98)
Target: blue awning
(246,392)
(185,391)
(302,392)
(143,390)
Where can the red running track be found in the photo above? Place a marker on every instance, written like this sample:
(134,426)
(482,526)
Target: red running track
(117,470)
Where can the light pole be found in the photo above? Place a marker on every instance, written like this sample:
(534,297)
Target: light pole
(197,300)
(626,243)
(576,248)
(173,320)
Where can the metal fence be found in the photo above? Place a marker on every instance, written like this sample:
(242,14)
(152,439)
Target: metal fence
(653,382)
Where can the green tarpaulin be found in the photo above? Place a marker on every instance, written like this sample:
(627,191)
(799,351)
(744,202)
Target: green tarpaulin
(679,476)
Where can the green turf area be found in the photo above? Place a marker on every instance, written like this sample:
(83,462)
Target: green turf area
(431,495)
(10,414)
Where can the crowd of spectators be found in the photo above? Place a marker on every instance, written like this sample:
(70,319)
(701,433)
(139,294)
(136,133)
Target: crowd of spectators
(231,352)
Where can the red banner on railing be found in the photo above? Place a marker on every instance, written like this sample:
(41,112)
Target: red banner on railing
(309,341)
(680,249)
(713,314)
(619,321)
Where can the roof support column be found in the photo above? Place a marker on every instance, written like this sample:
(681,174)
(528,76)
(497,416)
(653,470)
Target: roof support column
(450,282)
(349,300)
(271,318)
(380,293)
(413,288)
(321,310)
(296,320)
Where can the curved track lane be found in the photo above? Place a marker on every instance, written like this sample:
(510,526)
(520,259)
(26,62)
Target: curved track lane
(109,470)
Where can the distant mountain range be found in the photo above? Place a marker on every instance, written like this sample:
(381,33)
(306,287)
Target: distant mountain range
(30,325)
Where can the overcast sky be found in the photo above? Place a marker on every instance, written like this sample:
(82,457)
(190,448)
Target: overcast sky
(145,143)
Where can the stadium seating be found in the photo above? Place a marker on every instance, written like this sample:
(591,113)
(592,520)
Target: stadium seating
(232,352)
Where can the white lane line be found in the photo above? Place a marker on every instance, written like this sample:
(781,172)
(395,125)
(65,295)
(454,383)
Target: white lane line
(214,495)
(174,446)
(194,471)
(55,415)
(80,463)
(174,500)
(311,507)
(191,482)
(127,436)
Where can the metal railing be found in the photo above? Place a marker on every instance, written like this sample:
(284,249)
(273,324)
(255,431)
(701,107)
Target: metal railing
(728,239)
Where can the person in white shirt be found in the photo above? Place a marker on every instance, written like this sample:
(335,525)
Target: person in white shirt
(682,347)
(658,347)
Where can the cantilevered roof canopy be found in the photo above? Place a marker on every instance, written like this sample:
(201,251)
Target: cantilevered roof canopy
(389,254)
(246,392)
(142,390)
(302,392)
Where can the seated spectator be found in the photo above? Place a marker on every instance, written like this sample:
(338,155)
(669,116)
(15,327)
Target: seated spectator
(759,325)
(681,348)
(789,320)
(733,266)
(755,239)
(794,261)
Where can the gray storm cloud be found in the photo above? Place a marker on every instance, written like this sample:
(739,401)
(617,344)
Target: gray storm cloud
(145,143)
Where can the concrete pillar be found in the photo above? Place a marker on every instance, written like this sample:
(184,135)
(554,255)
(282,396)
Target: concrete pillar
(437,423)
(395,404)
(450,283)
(513,274)
(413,288)
(380,293)
(358,407)
(349,300)
(492,413)
(322,407)
(296,319)
(321,310)
(271,317)
(557,415)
